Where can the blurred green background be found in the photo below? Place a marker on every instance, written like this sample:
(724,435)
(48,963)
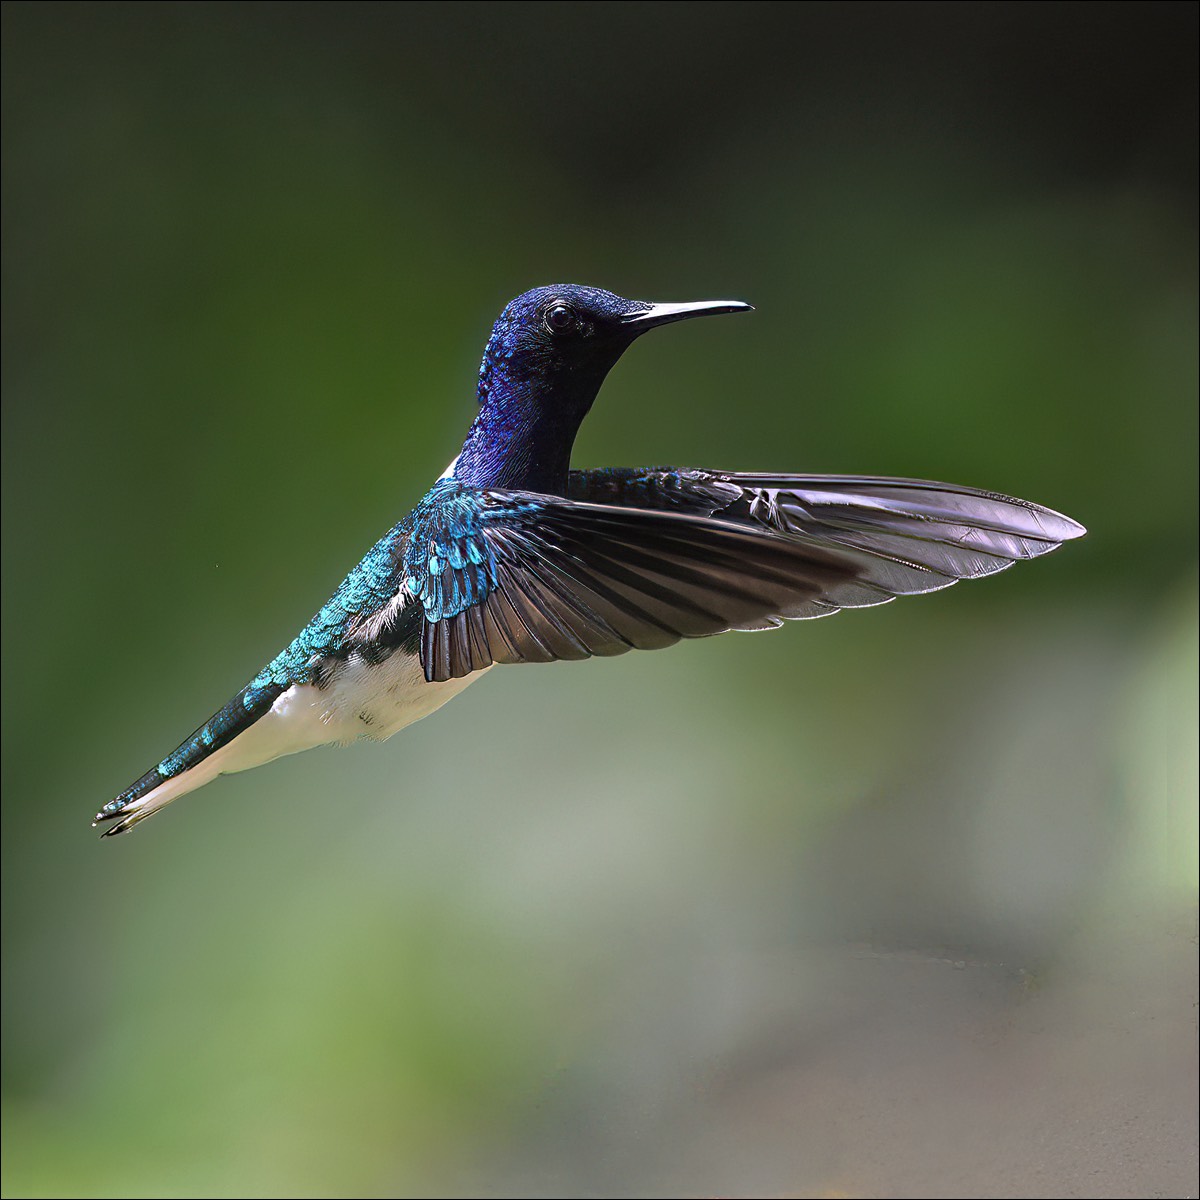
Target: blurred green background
(900,903)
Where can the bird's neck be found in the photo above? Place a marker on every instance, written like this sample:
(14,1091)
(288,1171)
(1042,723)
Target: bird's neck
(526,427)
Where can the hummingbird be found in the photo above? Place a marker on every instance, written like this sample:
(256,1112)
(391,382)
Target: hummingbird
(513,557)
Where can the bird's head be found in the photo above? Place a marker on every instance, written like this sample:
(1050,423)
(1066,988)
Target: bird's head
(548,354)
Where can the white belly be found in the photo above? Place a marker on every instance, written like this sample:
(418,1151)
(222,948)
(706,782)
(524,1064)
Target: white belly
(360,701)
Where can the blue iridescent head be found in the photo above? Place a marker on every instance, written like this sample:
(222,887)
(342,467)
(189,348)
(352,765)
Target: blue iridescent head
(544,363)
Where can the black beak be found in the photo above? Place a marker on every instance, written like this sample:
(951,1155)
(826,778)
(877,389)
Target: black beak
(654,315)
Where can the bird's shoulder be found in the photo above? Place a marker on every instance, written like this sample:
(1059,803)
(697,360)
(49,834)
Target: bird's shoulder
(455,535)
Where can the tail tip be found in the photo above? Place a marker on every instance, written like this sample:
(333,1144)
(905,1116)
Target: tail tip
(122,826)
(114,811)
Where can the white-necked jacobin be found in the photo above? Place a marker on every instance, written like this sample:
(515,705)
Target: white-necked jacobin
(512,557)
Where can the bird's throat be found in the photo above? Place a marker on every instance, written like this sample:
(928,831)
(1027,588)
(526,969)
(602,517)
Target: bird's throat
(524,433)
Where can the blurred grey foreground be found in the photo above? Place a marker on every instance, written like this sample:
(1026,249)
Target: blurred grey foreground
(636,970)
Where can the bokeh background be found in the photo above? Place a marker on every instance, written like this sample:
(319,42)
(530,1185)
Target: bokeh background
(901,903)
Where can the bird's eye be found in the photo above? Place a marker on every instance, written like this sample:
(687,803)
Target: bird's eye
(560,318)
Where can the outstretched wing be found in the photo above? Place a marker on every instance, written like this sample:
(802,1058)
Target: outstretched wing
(512,577)
(520,577)
(909,535)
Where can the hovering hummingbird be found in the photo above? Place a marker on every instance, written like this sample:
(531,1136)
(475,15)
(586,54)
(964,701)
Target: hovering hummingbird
(512,557)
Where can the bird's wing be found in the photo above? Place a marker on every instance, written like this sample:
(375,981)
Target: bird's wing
(521,577)
(909,535)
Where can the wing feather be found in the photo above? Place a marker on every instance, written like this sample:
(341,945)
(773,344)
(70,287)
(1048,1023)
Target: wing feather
(640,558)
(569,581)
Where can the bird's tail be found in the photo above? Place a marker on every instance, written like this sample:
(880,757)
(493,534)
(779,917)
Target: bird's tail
(138,807)
(217,747)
